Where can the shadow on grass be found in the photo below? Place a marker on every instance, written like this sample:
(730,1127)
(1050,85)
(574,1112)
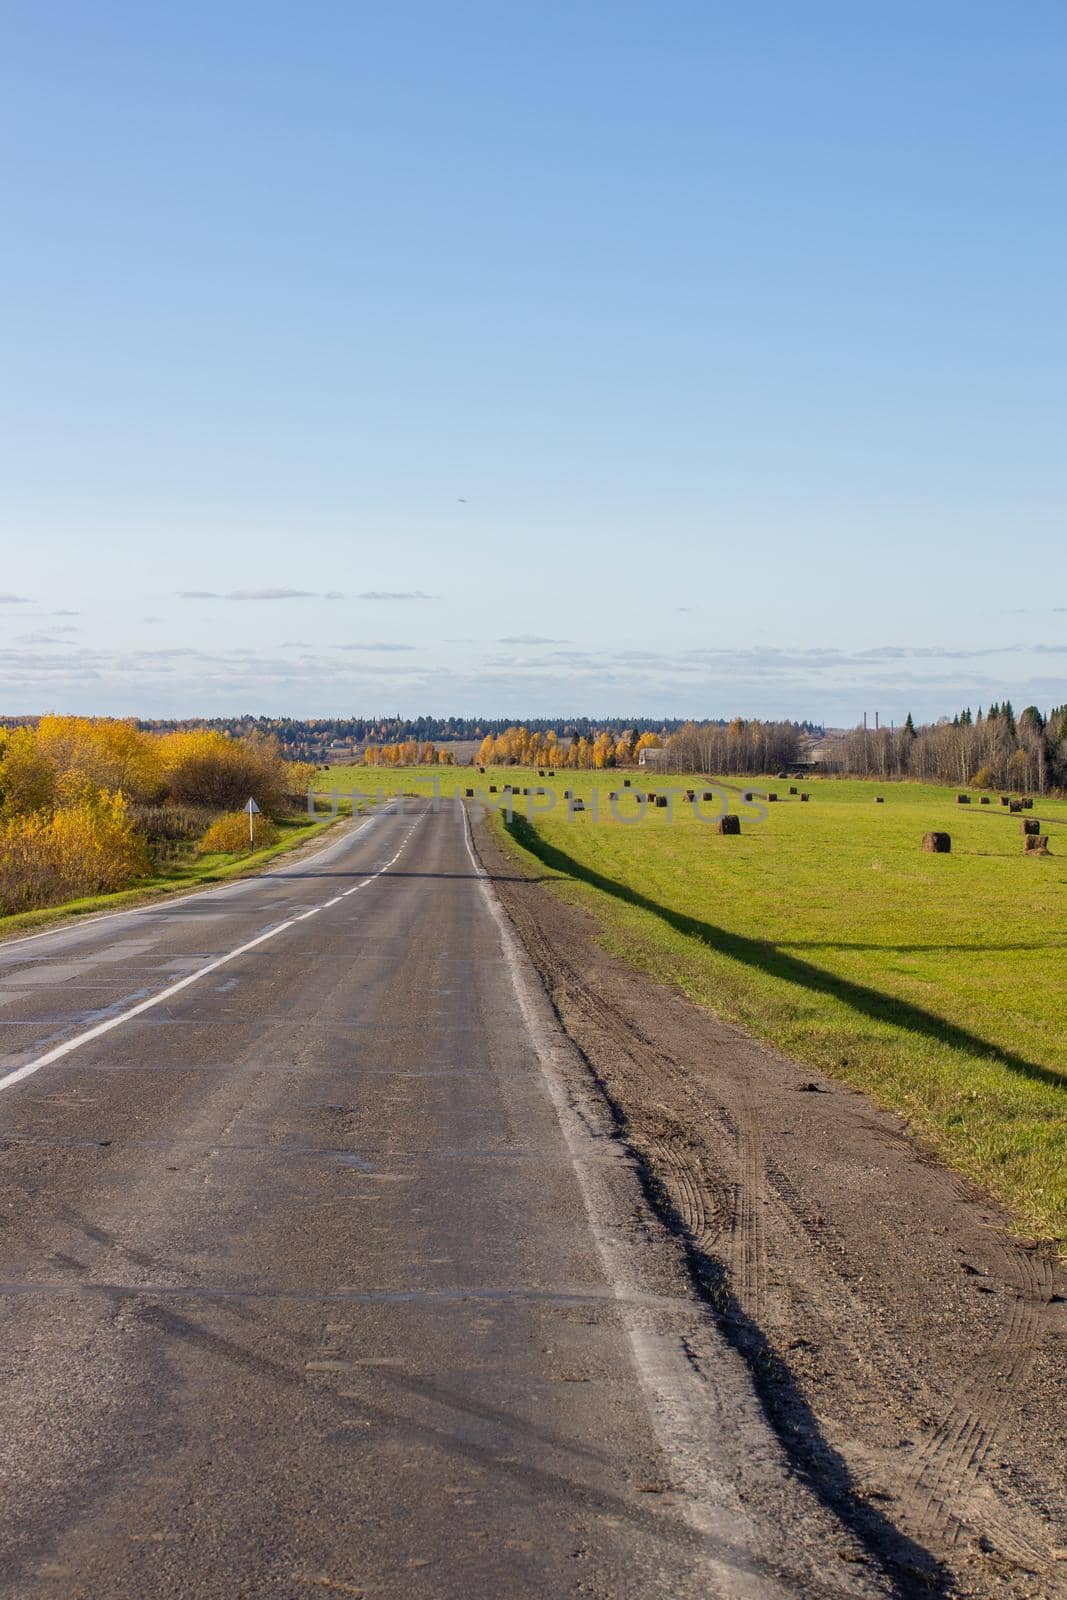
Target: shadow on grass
(778,963)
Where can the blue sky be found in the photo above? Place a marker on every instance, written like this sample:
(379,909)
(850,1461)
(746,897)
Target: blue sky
(593,357)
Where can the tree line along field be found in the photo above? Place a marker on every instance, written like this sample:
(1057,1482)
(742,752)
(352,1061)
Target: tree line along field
(938,983)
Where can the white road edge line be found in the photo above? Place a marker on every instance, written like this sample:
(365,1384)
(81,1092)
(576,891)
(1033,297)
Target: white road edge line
(64,1049)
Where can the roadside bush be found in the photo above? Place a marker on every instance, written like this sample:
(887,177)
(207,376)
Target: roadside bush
(229,835)
(171,832)
(87,848)
(984,778)
(207,769)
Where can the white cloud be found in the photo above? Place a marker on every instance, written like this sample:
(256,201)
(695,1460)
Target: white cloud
(247,594)
(528,638)
(375,644)
(828,685)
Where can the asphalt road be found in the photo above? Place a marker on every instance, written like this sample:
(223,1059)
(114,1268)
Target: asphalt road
(317,1275)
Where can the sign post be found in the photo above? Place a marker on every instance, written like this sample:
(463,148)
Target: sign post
(253,813)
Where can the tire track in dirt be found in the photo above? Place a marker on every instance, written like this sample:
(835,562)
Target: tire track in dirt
(946,1489)
(941,1491)
(750,1198)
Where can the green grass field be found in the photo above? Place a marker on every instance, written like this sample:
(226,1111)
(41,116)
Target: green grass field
(936,982)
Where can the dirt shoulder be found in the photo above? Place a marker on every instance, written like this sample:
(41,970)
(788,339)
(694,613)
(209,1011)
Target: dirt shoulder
(909,1350)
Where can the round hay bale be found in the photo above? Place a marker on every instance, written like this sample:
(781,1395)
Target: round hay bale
(708,794)
(984,800)
(661,799)
(1028,805)
(939,843)
(1036,844)
(805,797)
(963,799)
(1015,806)
(772,797)
(1030,825)
(626,783)
(578,805)
(878,800)
(792,788)
(728,824)
(492,788)
(469,793)
(1005,799)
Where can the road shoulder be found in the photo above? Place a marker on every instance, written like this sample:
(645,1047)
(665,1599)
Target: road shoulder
(906,1347)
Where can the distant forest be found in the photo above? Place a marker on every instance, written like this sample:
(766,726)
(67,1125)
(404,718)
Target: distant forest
(994,749)
(313,738)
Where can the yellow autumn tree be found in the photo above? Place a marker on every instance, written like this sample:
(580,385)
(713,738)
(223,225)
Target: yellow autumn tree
(90,847)
(603,751)
(27,777)
(111,753)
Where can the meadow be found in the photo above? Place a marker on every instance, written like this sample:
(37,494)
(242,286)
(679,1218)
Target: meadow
(937,983)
